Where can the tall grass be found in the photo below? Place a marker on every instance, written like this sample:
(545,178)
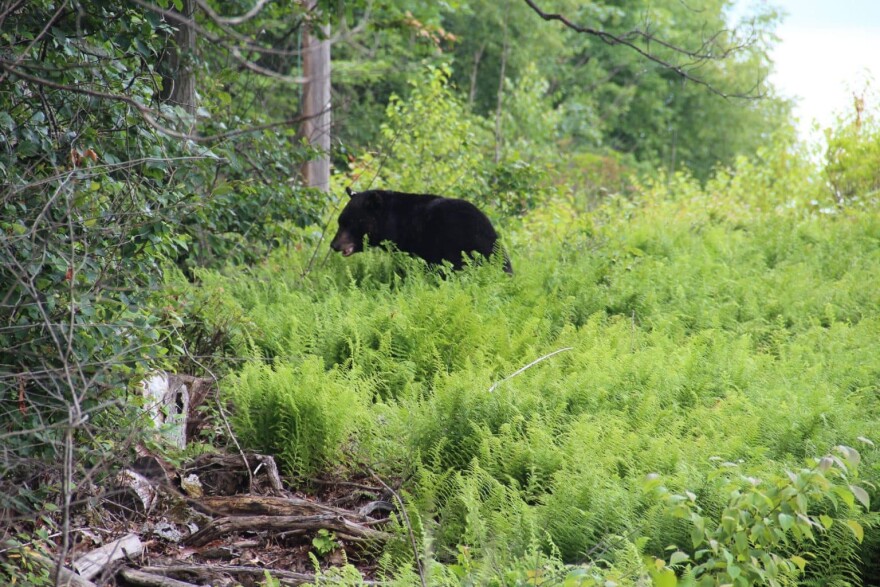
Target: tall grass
(734,327)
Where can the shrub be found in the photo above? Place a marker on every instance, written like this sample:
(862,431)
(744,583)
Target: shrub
(767,528)
(852,158)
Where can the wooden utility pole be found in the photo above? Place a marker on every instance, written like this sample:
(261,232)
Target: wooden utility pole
(316,104)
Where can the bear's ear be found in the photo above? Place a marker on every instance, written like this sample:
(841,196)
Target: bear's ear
(349,192)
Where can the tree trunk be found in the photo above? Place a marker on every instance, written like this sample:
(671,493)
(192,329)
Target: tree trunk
(499,112)
(478,56)
(316,105)
(179,81)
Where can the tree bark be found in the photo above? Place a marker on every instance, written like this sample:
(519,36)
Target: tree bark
(344,529)
(143,579)
(179,81)
(499,137)
(316,105)
(210,572)
(478,56)
(265,505)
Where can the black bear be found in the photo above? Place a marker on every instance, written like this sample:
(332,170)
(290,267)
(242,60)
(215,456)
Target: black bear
(434,228)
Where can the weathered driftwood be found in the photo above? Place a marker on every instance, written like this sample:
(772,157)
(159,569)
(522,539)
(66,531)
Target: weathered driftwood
(228,551)
(344,528)
(93,562)
(272,475)
(150,580)
(260,505)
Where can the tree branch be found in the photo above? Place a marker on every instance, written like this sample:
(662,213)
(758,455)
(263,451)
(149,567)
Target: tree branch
(148,114)
(231,20)
(629,39)
(36,39)
(249,44)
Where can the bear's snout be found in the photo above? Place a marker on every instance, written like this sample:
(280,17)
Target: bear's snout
(344,244)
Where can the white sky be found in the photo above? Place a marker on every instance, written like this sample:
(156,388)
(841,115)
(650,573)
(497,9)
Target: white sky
(828,49)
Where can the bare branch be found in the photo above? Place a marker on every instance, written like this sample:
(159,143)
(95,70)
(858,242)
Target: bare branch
(699,56)
(145,112)
(231,20)
(249,44)
(12,8)
(532,364)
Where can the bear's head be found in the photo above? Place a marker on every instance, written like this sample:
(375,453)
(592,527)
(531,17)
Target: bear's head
(359,218)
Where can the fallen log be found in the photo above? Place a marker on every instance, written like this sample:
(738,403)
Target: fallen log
(260,505)
(207,572)
(93,562)
(66,577)
(346,529)
(145,579)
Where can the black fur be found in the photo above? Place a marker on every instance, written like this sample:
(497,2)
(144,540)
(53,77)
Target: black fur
(434,228)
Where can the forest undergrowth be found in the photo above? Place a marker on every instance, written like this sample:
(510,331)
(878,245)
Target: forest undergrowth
(706,409)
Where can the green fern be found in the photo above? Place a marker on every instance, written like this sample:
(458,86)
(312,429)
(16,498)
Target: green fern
(731,325)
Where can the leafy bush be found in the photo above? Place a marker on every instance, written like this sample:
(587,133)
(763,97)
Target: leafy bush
(852,158)
(767,526)
(84,232)
(432,144)
(99,196)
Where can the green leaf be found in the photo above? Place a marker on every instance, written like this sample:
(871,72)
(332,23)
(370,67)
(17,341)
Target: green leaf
(6,121)
(799,561)
(857,529)
(742,541)
(665,578)
(142,48)
(786,521)
(861,495)
(153,19)
(827,521)
(845,494)
(678,557)
(696,537)
(576,578)
(850,454)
